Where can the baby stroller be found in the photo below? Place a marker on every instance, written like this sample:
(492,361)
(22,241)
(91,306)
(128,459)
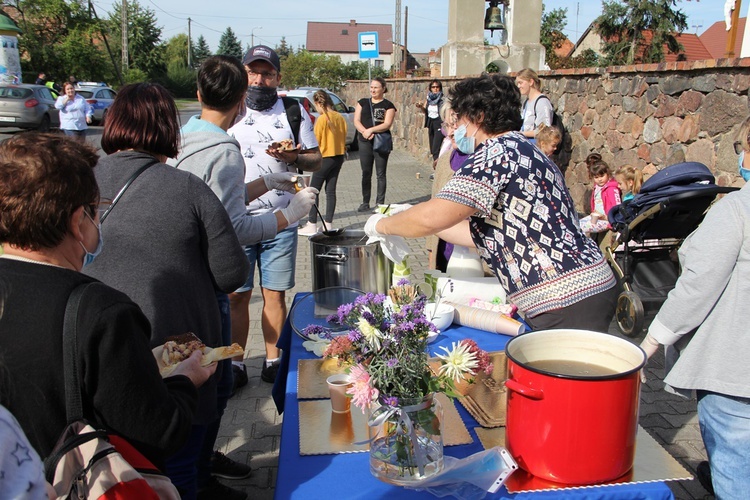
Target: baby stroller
(650,228)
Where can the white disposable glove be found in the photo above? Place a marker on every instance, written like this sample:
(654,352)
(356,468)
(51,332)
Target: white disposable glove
(280,180)
(300,205)
(370,226)
(394,248)
(649,345)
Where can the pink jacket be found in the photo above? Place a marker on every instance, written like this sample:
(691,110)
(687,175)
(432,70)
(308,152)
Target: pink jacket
(610,196)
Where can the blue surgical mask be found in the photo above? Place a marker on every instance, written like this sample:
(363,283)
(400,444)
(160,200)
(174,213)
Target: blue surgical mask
(745,173)
(89,257)
(464,144)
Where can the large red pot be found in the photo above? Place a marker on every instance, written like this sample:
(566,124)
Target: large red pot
(567,423)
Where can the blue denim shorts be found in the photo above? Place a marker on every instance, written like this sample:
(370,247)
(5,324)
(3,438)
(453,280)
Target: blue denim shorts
(275,258)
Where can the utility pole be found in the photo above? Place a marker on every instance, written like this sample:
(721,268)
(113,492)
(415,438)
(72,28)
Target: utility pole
(190,46)
(397,41)
(732,35)
(124,29)
(405,62)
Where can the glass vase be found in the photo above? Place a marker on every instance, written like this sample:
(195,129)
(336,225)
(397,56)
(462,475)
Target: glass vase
(406,444)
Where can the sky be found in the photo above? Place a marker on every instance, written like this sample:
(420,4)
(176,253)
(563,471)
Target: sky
(266,22)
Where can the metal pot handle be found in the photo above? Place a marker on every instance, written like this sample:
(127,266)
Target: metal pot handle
(524,390)
(338,257)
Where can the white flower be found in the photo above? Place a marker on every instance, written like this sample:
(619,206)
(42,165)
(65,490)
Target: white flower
(457,361)
(369,332)
(316,344)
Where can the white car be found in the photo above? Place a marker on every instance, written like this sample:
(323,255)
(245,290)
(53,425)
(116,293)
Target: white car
(306,93)
(99,96)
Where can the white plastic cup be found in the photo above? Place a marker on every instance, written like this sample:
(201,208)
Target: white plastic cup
(337,386)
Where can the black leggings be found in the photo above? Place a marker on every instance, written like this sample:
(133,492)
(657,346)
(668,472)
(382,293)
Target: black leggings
(435,137)
(366,158)
(328,173)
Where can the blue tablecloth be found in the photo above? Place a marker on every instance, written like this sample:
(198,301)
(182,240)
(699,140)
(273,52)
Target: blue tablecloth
(348,475)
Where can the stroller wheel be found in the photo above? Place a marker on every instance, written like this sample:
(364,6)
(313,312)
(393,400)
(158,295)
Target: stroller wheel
(629,314)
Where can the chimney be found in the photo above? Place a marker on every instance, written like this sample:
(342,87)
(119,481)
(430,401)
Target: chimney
(352,22)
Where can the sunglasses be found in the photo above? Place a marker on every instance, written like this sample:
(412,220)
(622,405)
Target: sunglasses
(738,147)
(434,86)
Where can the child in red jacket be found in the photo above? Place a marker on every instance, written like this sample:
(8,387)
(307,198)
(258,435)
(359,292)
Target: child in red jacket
(605,195)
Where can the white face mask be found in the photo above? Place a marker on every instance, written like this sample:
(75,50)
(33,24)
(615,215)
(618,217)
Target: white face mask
(89,257)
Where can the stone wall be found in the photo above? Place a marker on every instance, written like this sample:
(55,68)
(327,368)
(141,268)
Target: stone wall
(650,116)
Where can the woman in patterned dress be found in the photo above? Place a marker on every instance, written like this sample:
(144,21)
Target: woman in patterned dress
(511,203)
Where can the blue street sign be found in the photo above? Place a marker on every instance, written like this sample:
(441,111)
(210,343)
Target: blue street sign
(368,45)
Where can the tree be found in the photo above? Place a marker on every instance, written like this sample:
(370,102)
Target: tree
(551,35)
(283,49)
(59,38)
(229,45)
(622,25)
(176,50)
(357,70)
(145,52)
(201,52)
(305,69)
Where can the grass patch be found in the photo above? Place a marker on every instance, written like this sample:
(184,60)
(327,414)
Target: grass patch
(183,103)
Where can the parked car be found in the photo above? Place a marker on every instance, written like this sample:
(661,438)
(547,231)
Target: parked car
(99,96)
(305,96)
(28,106)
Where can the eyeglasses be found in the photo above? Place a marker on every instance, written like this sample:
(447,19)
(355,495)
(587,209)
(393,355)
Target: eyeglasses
(738,147)
(100,207)
(266,75)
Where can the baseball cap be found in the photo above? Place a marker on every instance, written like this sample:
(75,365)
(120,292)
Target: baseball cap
(262,53)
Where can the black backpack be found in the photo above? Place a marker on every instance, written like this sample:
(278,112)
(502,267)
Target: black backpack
(556,119)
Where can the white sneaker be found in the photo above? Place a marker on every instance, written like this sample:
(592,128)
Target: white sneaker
(308,229)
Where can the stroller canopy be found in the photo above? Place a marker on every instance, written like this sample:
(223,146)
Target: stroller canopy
(690,183)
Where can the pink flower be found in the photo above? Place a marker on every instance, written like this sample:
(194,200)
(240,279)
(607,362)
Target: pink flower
(361,391)
(483,358)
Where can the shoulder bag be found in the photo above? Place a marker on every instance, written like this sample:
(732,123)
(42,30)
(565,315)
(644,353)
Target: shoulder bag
(88,462)
(382,142)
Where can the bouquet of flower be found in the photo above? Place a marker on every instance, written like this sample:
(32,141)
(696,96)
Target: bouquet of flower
(386,346)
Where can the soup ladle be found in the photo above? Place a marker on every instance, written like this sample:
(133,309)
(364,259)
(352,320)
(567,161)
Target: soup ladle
(326,231)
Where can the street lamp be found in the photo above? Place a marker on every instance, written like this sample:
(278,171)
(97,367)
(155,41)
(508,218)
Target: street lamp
(252,35)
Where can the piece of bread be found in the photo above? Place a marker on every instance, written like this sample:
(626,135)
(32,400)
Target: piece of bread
(283,145)
(179,348)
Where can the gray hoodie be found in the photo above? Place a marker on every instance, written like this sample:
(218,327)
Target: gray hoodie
(213,155)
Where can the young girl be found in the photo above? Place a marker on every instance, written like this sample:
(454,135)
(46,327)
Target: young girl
(605,195)
(547,139)
(629,180)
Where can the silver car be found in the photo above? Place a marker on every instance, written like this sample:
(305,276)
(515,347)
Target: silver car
(28,106)
(338,104)
(99,96)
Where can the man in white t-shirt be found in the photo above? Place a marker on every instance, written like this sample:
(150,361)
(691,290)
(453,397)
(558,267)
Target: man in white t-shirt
(265,122)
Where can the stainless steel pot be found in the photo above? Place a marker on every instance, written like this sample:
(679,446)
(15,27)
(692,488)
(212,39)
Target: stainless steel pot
(346,260)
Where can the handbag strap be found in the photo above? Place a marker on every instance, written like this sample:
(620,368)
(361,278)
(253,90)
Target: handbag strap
(124,188)
(73,398)
(372,113)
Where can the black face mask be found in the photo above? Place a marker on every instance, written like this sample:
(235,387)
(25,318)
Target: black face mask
(261,98)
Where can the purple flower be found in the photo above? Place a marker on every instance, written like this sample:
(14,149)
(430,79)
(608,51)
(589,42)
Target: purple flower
(354,335)
(369,317)
(392,362)
(321,331)
(390,401)
(403,282)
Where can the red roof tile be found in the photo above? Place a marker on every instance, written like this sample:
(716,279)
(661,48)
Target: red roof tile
(715,38)
(564,49)
(343,37)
